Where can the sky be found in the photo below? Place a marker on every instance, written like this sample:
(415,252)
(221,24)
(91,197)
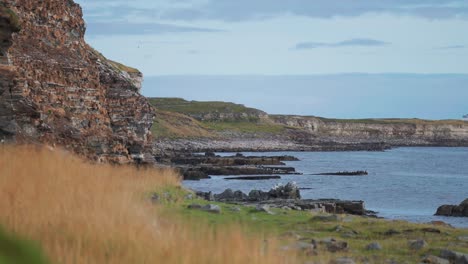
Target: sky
(316,49)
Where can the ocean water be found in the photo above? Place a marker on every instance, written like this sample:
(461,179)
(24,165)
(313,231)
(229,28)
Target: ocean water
(403,183)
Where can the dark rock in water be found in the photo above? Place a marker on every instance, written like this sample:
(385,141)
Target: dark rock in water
(210,154)
(254,178)
(344,173)
(460,210)
(194,175)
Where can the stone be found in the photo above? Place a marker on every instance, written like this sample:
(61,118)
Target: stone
(434,260)
(194,206)
(334,245)
(374,246)
(189,196)
(342,261)
(229,195)
(453,256)
(288,191)
(235,209)
(155,198)
(264,208)
(212,208)
(417,244)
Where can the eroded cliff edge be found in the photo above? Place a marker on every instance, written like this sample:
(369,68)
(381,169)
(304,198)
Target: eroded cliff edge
(56,89)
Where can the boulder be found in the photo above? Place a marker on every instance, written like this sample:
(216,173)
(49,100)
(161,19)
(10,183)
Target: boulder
(342,261)
(264,208)
(417,244)
(435,260)
(454,257)
(212,208)
(460,210)
(374,246)
(288,191)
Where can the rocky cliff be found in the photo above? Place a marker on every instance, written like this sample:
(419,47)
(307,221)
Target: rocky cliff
(251,129)
(56,89)
(395,132)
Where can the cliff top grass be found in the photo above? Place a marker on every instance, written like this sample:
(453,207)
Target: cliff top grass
(118,66)
(182,106)
(123,67)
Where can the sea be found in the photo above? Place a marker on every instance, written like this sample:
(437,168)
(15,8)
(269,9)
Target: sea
(403,183)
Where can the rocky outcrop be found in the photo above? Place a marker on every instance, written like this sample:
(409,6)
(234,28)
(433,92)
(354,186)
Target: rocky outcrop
(56,89)
(287,197)
(460,210)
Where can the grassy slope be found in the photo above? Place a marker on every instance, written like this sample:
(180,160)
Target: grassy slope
(175,119)
(183,109)
(182,106)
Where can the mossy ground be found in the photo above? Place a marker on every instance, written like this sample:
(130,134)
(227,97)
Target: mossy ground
(293,226)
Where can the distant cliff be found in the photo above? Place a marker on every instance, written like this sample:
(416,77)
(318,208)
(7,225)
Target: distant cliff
(395,132)
(201,126)
(56,89)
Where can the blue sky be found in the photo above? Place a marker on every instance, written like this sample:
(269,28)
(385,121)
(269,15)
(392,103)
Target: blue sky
(270,39)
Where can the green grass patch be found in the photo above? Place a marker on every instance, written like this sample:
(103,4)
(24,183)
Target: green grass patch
(245,127)
(357,231)
(191,108)
(16,250)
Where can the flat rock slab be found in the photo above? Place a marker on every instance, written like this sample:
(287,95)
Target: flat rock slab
(253,178)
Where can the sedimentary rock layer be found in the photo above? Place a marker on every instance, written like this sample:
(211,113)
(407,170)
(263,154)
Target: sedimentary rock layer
(56,89)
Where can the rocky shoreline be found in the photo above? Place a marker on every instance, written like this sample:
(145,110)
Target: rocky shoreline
(287,197)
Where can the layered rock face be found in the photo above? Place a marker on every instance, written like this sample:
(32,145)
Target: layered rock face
(56,89)
(396,132)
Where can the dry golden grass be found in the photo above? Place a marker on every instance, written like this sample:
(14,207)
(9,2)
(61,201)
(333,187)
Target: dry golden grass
(88,213)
